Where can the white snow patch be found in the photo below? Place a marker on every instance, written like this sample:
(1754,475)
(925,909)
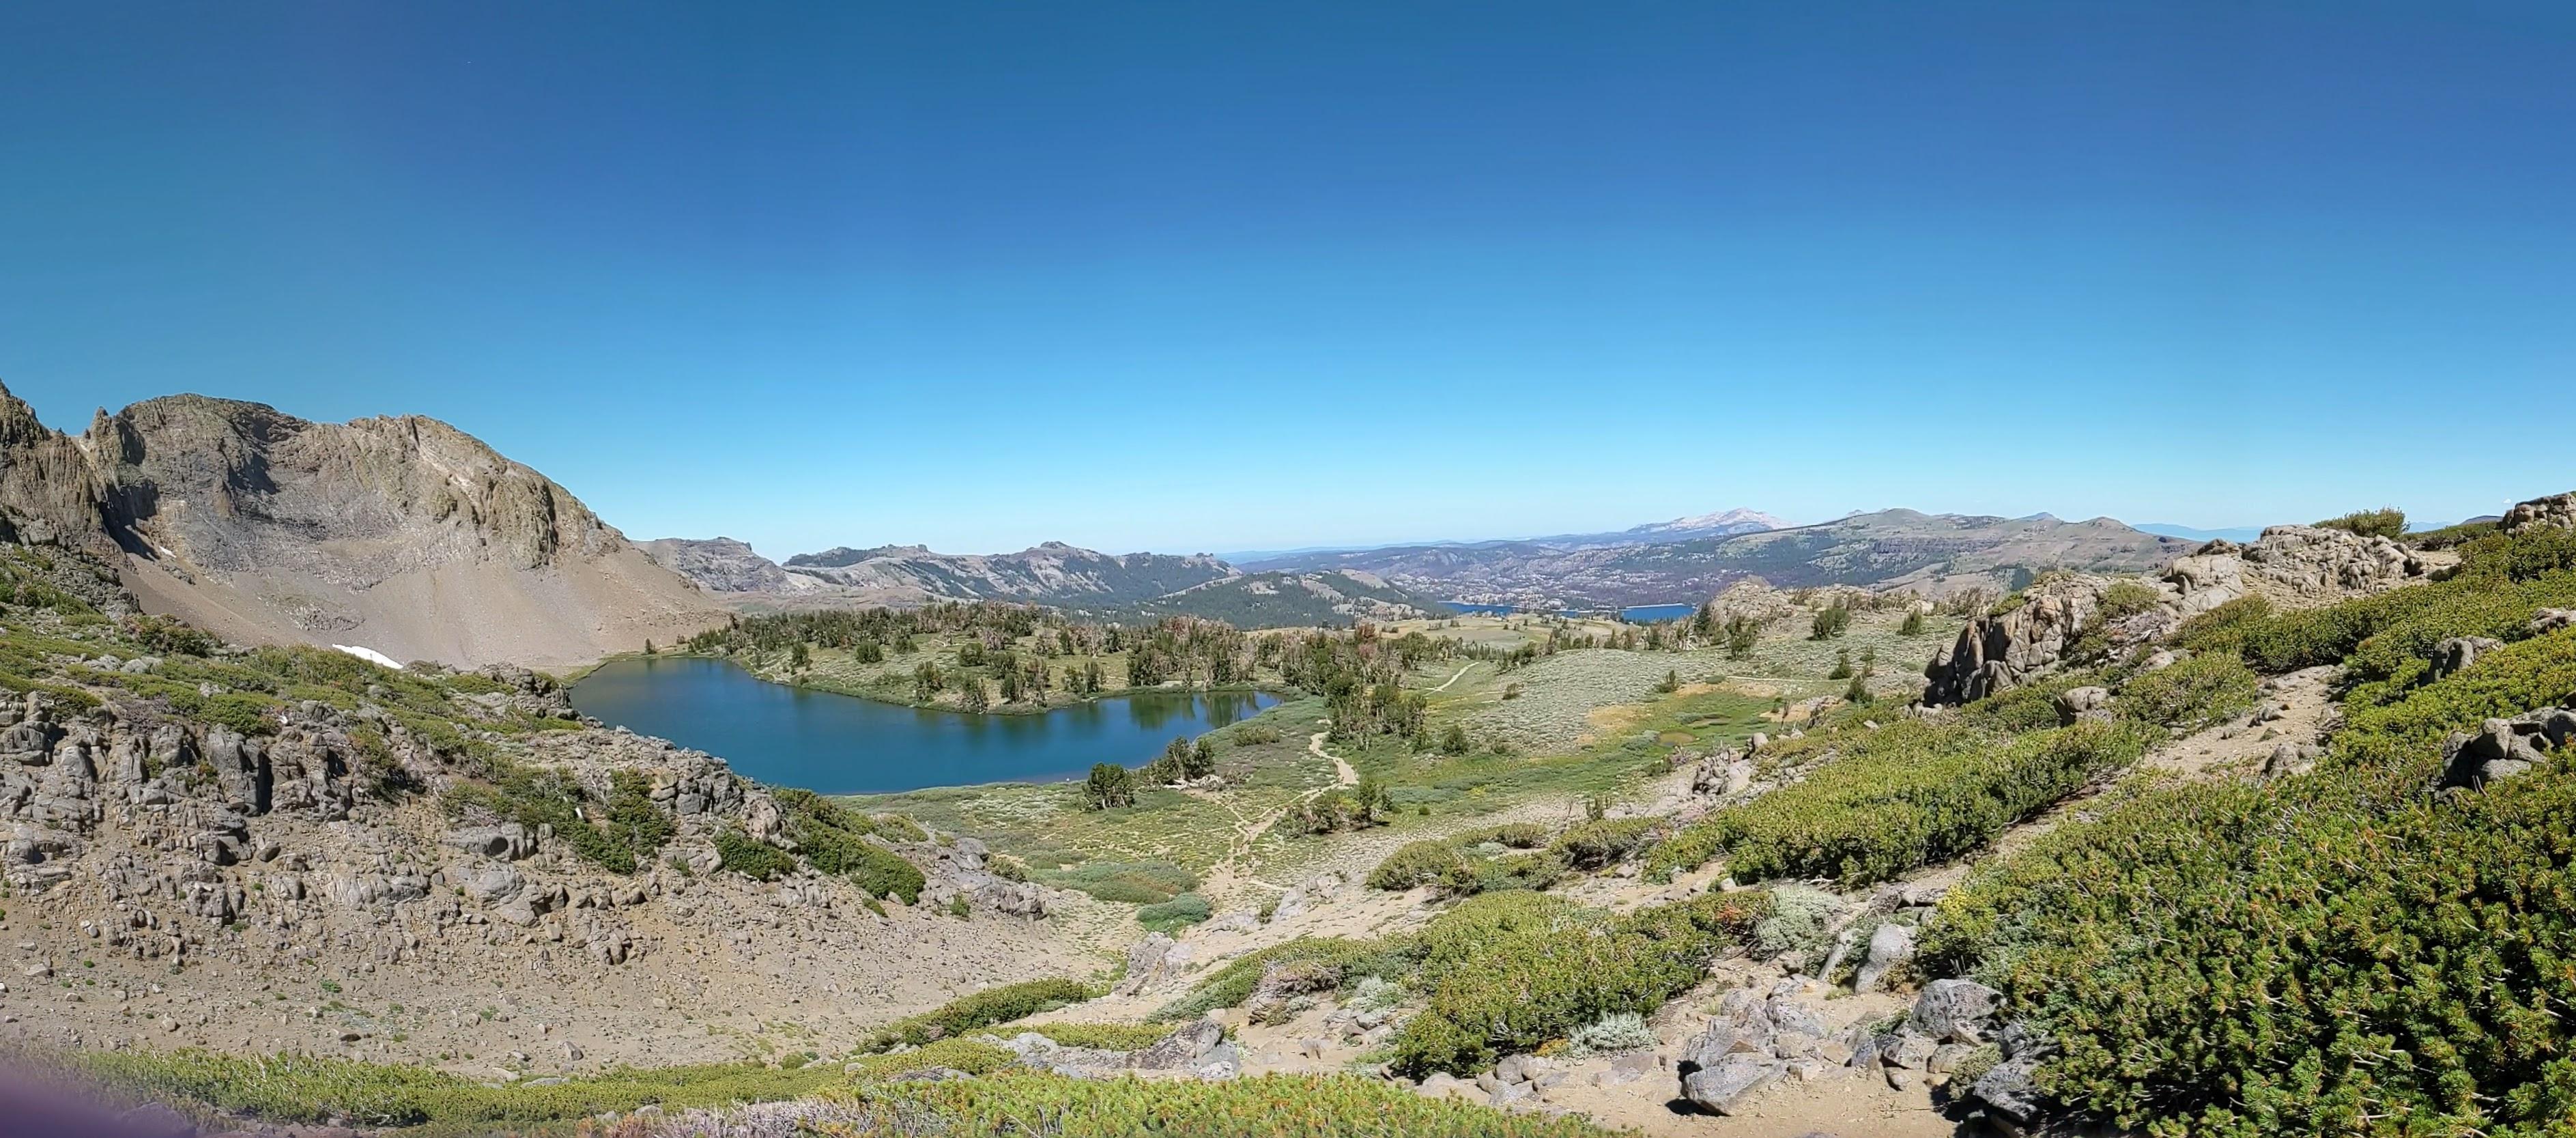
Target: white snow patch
(369,655)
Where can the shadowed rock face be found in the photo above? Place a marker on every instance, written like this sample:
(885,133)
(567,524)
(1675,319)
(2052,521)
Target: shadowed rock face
(402,535)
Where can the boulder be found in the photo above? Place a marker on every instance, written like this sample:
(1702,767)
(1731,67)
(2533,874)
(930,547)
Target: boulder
(1724,1087)
(508,841)
(1183,1050)
(1890,947)
(1145,965)
(2458,652)
(2547,621)
(2502,748)
(1954,1011)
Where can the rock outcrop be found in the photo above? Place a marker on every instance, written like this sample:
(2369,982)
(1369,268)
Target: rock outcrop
(2295,567)
(723,565)
(2291,566)
(2503,748)
(1999,650)
(2556,510)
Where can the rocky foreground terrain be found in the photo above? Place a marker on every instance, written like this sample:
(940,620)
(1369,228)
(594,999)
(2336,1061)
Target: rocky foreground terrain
(295,850)
(1868,919)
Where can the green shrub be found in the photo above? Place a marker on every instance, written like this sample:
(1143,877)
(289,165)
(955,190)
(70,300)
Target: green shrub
(833,838)
(2338,952)
(1603,841)
(2127,597)
(1796,922)
(307,1089)
(2191,694)
(1517,835)
(1417,863)
(1128,882)
(1273,1106)
(1509,972)
(1906,796)
(1232,984)
(1512,871)
(974,1057)
(741,853)
(1173,915)
(2387,521)
(1098,1036)
(982,1010)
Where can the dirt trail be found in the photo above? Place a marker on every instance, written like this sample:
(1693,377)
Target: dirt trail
(1462,672)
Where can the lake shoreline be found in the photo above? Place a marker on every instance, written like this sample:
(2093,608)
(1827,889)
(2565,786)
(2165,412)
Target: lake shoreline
(843,743)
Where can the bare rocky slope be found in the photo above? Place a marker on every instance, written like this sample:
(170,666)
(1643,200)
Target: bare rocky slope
(402,536)
(290,849)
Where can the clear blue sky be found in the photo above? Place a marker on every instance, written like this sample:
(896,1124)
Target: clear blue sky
(1216,276)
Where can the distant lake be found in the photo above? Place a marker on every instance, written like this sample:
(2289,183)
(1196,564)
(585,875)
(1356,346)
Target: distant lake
(1633,614)
(839,744)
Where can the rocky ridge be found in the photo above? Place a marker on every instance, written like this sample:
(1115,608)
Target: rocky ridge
(2290,566)
(403,536)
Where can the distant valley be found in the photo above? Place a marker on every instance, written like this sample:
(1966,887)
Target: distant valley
(1933,553)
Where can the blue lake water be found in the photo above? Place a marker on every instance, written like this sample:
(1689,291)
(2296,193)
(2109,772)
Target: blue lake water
(838,744)
(1633,614)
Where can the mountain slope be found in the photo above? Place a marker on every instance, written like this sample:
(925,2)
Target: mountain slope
(403,536)
(1133,587)
(1891,547)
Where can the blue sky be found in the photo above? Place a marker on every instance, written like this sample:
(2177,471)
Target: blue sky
(1209,277)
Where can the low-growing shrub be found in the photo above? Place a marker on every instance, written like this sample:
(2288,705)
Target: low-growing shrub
(2191,694)
(1796,923)
(1517,835)
(1128,882)
(1173,915)
(1509,972)
(981,1010)
(1603,841)
(2386,521)
(1417,863)
(1905,796)
(1099,1036)
(738,852)
(1615,1034)
(2337,952)
(1273,1106)
(304,1089)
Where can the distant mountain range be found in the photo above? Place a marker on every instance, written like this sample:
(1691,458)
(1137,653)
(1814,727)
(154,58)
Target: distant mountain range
(2241,534)
(1717,524)
(1681,561)
(1083,582)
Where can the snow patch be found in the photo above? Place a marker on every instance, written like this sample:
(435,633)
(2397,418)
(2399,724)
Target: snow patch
(369,655)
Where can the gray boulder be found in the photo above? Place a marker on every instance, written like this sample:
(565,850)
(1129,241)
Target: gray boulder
(2502,748)
(2090,702)
(2458,652)
(1954,1011)
(1183,1050)
(1724,1087)
(1890,947)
